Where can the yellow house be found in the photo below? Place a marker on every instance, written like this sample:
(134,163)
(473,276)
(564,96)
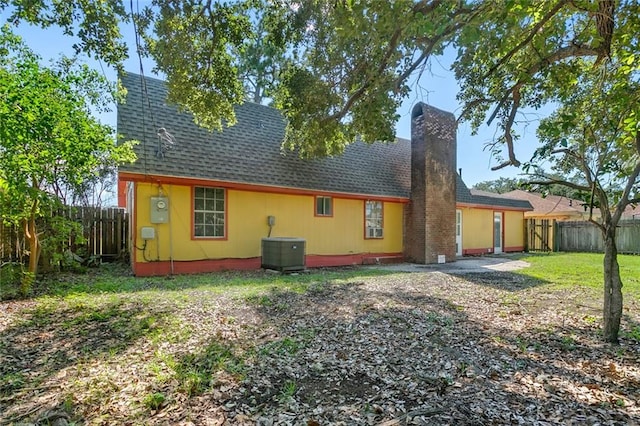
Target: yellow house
(488,222)
(203,201)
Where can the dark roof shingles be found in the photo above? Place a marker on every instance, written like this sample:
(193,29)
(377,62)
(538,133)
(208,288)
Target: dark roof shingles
(250,151)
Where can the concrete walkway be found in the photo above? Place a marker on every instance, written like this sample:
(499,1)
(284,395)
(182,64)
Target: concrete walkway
(462,265)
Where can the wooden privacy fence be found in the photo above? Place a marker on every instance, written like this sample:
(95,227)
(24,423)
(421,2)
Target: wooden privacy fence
(579,236)
(586,237)
(105,233)
(105,230)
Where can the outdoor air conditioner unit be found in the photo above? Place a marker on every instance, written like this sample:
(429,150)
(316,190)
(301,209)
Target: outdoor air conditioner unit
(283,254)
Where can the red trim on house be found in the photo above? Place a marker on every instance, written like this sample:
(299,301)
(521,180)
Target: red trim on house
(122,193)
(315,206)
(145,269)
(513,249)
(316,260)
(489,250)
(226,216)
(477,251)
(487,207)
(135,177)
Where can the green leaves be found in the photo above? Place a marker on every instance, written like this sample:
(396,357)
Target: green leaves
(192,44)
(49,142)
(95,23)
(337,70)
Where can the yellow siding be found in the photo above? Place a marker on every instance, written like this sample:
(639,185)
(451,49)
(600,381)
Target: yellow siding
(247,213)
(513,229)
(477,228)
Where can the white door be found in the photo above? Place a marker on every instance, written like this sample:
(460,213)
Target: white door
(458,232)
(497,232)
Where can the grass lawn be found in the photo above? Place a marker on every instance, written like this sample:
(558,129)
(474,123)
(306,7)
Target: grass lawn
(358,345)
(565,270)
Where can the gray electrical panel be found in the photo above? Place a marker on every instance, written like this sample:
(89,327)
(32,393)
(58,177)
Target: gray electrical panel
(159,210)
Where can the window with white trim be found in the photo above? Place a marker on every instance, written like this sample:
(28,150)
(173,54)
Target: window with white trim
(324,206)
(373,219)
(208,212)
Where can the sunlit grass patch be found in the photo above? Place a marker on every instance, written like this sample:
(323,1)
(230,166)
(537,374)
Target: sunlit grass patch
(566,270)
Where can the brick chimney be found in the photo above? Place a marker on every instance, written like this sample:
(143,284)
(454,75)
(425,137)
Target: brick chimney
(431,214)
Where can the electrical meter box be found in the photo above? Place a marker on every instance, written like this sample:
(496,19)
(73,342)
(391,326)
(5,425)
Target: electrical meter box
(159,210)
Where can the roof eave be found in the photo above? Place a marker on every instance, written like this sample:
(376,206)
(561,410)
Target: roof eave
(243,186)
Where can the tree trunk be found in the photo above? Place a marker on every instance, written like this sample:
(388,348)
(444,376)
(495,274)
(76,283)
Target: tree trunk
(257,94)
(612,311)
(35,248)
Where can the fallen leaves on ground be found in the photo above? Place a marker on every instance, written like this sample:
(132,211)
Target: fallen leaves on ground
(406,348)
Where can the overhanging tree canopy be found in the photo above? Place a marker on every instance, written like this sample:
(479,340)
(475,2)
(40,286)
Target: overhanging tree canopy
(48,137)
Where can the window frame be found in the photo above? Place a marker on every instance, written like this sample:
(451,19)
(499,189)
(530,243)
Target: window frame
(317,199)
(381,220)
(194,211)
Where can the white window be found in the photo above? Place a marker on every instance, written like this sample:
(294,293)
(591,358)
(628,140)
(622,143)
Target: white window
(324,206)
(208,212)
(373,219)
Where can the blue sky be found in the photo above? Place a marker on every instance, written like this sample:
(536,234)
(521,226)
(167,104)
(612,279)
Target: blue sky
(437,87)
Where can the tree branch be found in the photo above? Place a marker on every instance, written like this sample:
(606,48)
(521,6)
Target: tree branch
(507,132)
(568,184)
(624,200)
(421,7)
(402,77)
(393,44)
(527,39)
(426,7)
(605,25)
(566,52)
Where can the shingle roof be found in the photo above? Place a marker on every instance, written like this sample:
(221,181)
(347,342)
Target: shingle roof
(473,196)
(249,152)
(551,204)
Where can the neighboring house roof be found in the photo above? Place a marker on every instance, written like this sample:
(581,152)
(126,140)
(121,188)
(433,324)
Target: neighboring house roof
(250,151)
(551,205)
(631,212)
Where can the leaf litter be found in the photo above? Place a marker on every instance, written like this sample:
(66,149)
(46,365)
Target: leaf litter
(403,349)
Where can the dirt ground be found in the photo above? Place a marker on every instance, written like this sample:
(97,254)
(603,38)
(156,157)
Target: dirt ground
(432,346)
